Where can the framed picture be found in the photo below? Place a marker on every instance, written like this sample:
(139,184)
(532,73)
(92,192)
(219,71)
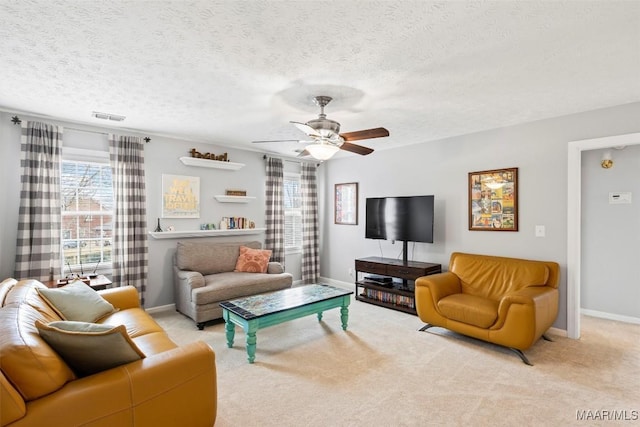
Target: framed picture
(346,203)
(180,196)
(493,200)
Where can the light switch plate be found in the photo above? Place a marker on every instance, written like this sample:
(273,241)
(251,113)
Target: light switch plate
(540,231)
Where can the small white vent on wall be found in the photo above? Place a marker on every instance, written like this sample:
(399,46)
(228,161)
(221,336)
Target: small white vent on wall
(619,198)
(107,116)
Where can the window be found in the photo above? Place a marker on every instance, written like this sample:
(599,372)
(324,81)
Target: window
(87,215)
(292,213)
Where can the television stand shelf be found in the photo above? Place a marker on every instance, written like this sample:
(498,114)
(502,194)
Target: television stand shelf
(399,293)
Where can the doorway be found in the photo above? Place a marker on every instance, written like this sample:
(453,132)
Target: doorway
(574,214)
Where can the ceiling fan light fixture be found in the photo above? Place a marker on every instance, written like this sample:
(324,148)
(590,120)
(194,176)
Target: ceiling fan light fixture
(322,151)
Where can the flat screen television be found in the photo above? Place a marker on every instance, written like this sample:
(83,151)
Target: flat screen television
(407,219)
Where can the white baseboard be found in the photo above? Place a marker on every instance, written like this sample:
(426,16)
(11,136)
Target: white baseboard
(560,332)
(161,308)
(338,283)
(610,316)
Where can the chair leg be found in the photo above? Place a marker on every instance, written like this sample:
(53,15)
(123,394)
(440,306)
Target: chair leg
(425,327)
(521,354)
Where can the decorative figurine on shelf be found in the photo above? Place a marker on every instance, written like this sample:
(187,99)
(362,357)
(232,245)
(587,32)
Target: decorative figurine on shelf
(158,228)
(171,228)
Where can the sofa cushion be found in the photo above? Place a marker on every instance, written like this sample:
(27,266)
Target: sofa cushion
(492,277)
(253,260)
(90,347)
(136,320)
(226,286)
(209,257)
(28,362)
(469,309)
(77,302)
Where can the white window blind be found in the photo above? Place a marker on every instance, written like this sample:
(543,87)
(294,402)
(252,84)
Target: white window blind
(87,215)
(292,213)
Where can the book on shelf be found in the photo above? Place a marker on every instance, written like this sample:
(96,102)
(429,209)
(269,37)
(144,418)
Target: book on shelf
(389,298)
(236,222)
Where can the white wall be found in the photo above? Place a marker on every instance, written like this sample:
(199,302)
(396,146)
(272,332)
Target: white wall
(610,234)
(538,150)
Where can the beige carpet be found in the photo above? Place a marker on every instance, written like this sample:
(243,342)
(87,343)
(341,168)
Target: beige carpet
(384,372)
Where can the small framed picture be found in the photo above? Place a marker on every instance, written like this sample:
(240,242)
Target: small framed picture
(346,203)
(493,200)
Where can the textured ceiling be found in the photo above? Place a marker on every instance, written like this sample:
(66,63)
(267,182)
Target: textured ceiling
(229,72)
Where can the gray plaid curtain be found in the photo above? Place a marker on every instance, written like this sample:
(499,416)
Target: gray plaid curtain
(38,243)
(310,232)
(129,253)
(274,213)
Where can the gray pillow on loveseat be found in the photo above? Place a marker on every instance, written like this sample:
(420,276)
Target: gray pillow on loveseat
(204,276)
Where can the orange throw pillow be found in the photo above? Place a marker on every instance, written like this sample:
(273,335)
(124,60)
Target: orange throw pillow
(253,260)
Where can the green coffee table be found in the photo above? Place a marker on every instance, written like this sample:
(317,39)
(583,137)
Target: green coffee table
(263,310)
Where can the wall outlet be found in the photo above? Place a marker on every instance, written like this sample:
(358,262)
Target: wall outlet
(350,272)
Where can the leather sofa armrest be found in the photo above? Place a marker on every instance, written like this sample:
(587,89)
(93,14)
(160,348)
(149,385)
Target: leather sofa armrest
(190,279)
(537,296)
(275,268)
(440,285)
(123,297)
(175,387)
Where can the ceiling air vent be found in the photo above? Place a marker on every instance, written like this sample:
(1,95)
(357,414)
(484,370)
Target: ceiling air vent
(107,116)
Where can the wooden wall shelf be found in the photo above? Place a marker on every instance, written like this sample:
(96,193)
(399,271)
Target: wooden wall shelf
(206,163)
(204,233)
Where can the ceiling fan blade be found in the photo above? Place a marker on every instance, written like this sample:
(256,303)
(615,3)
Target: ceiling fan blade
(304,153)
(365,134)
(306,128)
(277,140)
(358,149)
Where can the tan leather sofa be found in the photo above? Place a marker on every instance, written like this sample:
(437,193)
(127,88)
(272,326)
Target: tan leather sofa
(171,386)
(507,301)
(204,276)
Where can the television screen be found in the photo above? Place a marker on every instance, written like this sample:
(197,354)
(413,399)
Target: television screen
(408,219)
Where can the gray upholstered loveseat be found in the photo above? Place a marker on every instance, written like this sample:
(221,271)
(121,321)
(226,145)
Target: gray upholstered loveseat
(204,276)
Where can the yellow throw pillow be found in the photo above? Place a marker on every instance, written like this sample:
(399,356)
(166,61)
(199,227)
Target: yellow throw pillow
(253,260)
(77,301)
(89,348)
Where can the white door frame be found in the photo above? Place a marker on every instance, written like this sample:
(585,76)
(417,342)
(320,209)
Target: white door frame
(574,218)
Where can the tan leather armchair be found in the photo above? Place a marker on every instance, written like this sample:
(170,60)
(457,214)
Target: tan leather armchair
(507,301)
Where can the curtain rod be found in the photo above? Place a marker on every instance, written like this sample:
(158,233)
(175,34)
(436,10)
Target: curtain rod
(265,157)
(17,120)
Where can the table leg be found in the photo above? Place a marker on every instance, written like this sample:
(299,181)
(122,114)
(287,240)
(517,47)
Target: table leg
(319,316)
(251,341)
(344,316)
(229,328)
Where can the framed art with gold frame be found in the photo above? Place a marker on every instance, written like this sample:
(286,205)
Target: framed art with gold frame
(493,200)
(346,203)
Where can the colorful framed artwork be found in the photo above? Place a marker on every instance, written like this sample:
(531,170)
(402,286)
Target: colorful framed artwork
(180,196)
(346,203)
(493,200)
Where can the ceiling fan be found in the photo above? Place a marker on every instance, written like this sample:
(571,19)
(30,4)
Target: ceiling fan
(326,139)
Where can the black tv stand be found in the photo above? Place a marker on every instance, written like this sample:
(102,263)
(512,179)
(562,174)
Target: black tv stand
(399,294)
